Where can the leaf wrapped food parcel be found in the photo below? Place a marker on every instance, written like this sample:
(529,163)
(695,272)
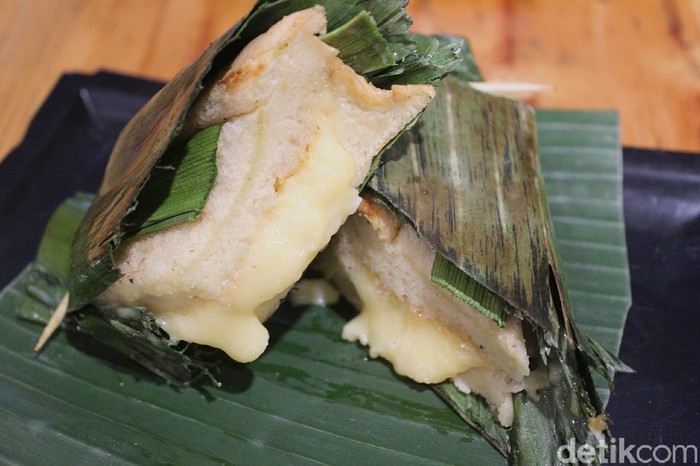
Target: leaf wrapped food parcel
(224,187)
(451,261)
(229,182)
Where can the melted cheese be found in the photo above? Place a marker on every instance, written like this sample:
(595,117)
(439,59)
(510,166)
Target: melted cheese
(311,206)
(417,347)
(383,267)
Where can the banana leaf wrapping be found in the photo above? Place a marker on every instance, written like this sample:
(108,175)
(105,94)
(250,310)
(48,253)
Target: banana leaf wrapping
(467,177)
(157,177)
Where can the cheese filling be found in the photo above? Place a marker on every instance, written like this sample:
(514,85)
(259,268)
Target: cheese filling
(311,206)
(422,350)
(417,347)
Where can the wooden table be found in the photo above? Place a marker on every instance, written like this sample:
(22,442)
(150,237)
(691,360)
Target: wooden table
(640,57)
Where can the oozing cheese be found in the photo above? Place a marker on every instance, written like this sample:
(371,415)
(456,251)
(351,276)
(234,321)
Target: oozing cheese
(383,267)
(311,206)
(417,347)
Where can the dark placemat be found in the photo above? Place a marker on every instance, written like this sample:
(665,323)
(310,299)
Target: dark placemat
(660,403)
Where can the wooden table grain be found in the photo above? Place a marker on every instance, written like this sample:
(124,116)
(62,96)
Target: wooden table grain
(639,57)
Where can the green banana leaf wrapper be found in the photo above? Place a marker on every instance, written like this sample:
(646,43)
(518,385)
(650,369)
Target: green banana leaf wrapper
(467,177)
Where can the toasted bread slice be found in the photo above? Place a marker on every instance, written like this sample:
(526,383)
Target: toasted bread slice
(300,130)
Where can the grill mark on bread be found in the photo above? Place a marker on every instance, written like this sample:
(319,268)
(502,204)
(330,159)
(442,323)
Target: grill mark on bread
(238,76)
(384,223)
(280,180)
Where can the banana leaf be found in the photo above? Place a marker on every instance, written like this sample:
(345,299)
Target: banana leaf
(467,178)
(311,398)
